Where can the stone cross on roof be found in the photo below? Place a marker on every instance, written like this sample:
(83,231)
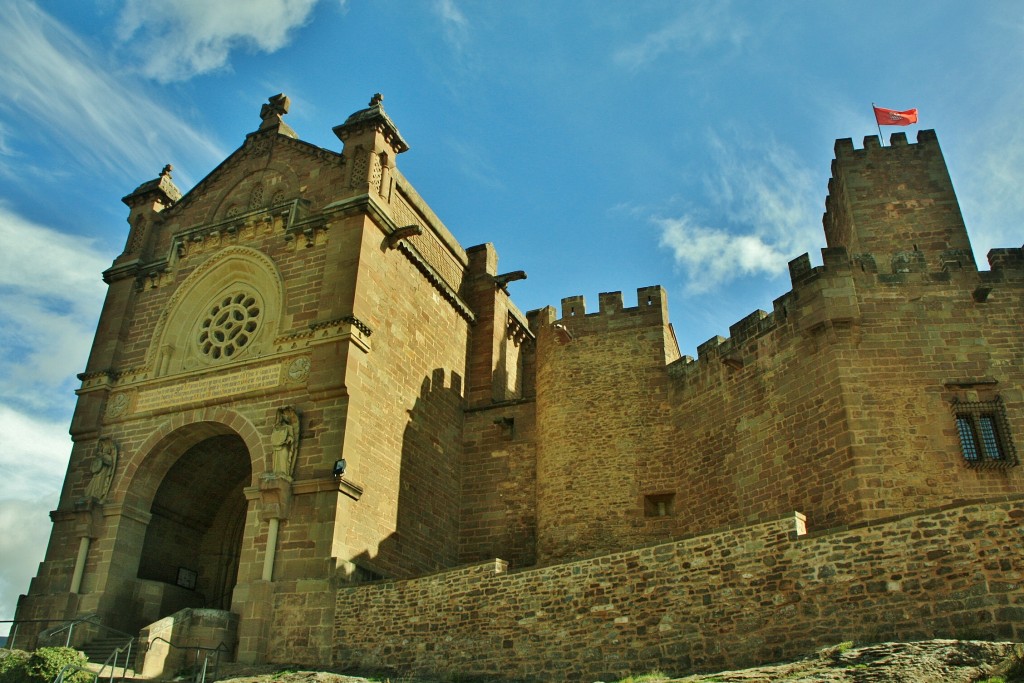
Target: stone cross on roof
(272,113)
(274,109)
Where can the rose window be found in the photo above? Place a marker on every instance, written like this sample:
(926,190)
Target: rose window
(230,325)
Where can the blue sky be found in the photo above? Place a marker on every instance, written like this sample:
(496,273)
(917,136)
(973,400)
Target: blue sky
(599,145)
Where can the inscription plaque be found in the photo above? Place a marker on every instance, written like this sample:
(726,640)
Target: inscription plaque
(218,386)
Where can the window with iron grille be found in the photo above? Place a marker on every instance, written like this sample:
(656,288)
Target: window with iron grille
(984,434)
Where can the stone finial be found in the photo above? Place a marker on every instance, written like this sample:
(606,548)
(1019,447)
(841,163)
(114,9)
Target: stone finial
(162,188)
(276,107)
(272,112)
(371,121)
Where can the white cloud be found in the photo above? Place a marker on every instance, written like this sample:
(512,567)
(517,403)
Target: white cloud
(33,457)
(48,321)
(700,27)
(24,528)
(178,40)
(53,79)
(767,206)
(45,332)
(711,256)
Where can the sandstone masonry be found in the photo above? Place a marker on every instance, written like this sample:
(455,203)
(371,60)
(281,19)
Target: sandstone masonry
(314,419)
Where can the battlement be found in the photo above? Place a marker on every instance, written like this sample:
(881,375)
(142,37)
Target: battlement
(1006,259)
(872,145)
(896,205)
(651,301)
(731,350)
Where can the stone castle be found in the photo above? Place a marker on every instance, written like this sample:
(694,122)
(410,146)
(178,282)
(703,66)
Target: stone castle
(315,427)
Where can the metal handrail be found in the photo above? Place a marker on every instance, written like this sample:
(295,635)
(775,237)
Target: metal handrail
(70,626)
(201,674)
(13,635)
(92,620)
(172,623)
(116,655)
(63,672)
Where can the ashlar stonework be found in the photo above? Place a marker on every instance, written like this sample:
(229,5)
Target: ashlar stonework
(315,427)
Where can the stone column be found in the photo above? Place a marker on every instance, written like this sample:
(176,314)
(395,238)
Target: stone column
(88,525)
(275,500)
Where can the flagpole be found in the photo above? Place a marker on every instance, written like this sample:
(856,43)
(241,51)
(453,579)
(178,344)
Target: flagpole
(881,139)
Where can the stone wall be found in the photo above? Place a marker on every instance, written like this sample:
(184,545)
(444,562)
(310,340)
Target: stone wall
(896,203)
(602,414)
(499,484)
(185,640)
(731,598)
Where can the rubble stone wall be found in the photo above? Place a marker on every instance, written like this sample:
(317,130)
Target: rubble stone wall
(730,598)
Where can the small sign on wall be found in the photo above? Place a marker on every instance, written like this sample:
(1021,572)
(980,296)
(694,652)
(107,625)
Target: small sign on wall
(187,578)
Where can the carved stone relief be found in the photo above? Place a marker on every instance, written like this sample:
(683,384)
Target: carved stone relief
(298,370)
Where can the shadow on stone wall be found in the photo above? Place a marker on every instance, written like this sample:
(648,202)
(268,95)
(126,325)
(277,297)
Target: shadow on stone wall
(427,517)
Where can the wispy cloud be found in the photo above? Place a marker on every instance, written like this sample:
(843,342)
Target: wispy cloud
(768,201)
(456,26)
(53,79)
(475,164)
(45,332)
(990,191)
(178,40)
(697,29)
(48,321)
(994,203)
(24,528)
(33,458)
(5,150)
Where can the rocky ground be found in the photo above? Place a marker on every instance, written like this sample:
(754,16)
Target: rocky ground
(932,661)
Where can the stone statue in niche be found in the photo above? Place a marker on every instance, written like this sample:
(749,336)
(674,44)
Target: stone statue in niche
(101,469)
(285,440)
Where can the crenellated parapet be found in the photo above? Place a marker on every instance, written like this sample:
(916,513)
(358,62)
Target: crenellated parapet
(1006,263)
(651,309)
(895,205)
(821,298)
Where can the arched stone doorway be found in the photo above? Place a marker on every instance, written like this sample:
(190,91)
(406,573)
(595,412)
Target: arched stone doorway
(194,538)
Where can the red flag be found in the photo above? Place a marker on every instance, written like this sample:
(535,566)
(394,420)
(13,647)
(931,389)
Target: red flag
(891,117)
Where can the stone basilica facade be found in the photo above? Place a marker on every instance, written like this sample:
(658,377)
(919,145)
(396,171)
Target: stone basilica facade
(315,427)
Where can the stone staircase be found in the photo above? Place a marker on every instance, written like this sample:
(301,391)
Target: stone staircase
(100,649)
